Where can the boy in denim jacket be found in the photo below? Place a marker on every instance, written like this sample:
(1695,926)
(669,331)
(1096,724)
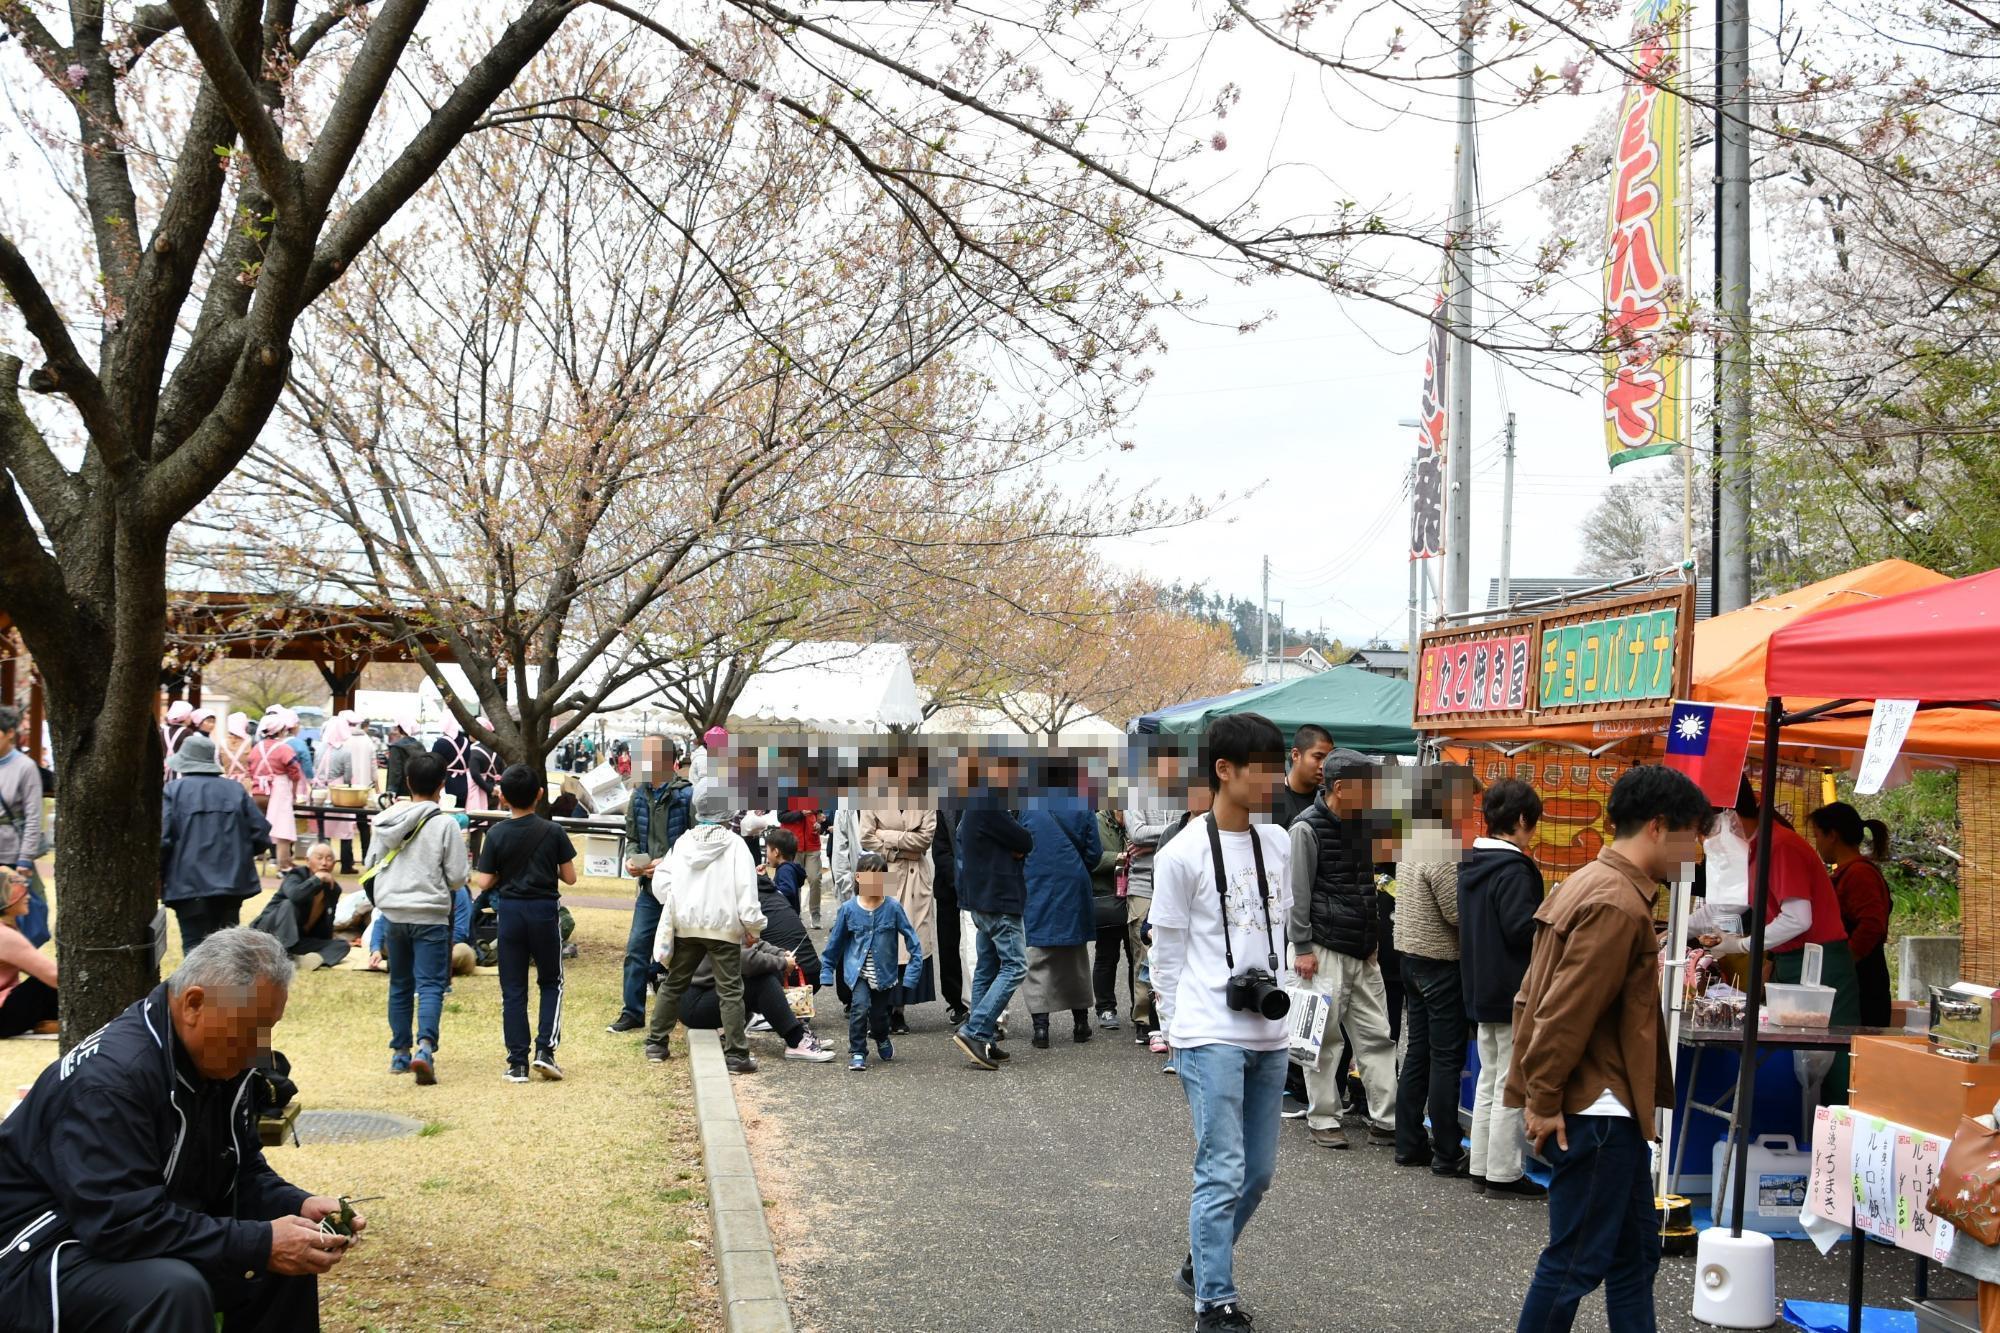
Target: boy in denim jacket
(863,942)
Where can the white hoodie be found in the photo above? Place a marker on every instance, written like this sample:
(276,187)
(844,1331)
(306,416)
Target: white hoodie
(708,888)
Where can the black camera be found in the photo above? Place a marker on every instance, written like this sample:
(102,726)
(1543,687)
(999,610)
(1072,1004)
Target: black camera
(1258,991)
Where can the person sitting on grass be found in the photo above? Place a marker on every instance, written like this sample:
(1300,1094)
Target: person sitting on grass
(764,969)
(27,975)
(301,913)
(781,851)
(132,1184)
(418,863)
(710,911)
(524,862)
(863,944)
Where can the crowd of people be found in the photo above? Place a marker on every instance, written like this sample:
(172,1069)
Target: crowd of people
(1194,893)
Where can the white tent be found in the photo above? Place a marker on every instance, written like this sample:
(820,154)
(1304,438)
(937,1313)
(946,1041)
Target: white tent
(970,721)
(839,687)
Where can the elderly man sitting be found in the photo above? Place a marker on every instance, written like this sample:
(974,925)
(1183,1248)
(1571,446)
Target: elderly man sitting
(301,913)
(133,1192)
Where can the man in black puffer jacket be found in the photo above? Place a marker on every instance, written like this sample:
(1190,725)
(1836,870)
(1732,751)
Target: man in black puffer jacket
(1336,942)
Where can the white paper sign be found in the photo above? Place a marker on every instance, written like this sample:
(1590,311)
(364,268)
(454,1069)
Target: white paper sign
(1875,1178)
(1885,741)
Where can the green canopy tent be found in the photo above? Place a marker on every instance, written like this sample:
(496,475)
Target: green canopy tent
(1364,711)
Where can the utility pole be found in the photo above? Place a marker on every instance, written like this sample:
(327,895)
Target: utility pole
(1416,568)
(1732,565)
(1264,629)
(1458,497)
(1281,638)
(1507,522)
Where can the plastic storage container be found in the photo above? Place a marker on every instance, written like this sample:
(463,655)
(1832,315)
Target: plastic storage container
(1775,1185)
(1796,1006)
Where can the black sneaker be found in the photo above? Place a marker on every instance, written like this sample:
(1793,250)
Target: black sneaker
(1220,1318)
(1079,1031)
(958,1013)
(1140,1033)
(1522,1188)
(981,1053)
(1108,1019)
(658,1055)
(1040,1041)
(898,1027)
(517,1073)
(546,1066)
(626,1023)
(740,1064)
(1185,1278)
(998,1052)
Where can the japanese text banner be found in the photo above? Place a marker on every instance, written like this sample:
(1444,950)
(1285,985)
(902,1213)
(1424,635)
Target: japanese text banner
(1644,278)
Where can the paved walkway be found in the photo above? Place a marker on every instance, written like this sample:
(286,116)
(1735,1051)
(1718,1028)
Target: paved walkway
(929,1197)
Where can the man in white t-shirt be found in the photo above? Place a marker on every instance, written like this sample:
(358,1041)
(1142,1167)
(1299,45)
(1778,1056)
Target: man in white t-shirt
(1231,1060)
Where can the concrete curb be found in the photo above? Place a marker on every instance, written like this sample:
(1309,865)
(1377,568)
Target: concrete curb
(753,1295)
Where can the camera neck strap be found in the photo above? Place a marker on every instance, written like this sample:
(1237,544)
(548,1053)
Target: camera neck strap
(1222,892)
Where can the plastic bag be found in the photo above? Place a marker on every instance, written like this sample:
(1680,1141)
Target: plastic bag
(1727,855)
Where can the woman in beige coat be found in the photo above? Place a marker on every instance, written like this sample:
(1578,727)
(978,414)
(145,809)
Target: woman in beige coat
(903,834)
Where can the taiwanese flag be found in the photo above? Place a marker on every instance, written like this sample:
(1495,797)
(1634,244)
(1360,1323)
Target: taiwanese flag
(1708,742)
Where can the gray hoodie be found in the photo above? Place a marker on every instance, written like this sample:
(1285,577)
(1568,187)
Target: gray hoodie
(416,887)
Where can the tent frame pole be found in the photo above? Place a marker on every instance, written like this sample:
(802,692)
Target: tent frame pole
(1753,987)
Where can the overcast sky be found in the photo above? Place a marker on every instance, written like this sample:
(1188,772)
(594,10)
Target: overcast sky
(1305,411)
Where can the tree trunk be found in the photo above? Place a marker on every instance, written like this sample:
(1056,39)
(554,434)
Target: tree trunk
(102,664)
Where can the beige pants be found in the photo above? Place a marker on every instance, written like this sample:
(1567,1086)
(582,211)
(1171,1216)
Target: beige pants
(1136,910)
(1356,1002)
(1496,1127)
(814,864)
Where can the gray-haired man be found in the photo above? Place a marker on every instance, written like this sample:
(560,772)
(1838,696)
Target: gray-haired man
(133,1192)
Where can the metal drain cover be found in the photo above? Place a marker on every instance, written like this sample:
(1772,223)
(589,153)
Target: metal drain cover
(354,1126)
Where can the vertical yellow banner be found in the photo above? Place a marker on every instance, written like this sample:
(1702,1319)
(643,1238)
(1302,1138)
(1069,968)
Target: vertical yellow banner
(1644,282)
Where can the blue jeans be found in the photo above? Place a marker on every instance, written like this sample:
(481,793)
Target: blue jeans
(419,958)
(1000,967)
(1234,1097)
(1601,1230)
(639,964)
(868,1016)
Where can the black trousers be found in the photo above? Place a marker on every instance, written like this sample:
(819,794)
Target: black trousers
(1113,942)
(32,1001)
(202,917)
(530,931)
(169,1296)
(1432,1062)
(951,963)
(701,1007)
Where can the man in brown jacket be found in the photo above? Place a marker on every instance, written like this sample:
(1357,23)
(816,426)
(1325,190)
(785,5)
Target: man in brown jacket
(1590,1057)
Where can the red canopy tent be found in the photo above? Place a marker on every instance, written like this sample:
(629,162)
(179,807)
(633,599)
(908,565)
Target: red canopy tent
(1937,645)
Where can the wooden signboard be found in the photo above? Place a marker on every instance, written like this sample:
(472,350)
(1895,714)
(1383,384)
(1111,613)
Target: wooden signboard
(1605,662)
(1483,676)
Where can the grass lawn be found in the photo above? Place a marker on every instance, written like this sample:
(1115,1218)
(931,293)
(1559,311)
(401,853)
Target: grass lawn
(572,1205)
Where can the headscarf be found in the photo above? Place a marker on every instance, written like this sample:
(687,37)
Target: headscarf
(272,725)
(199,716)
(179,710)
(452,731)
(239,726)
(407,724)
(338,733)
(715,738)
(350,717)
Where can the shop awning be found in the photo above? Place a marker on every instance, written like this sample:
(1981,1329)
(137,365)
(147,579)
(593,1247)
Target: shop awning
(1364,711)
(1938,643)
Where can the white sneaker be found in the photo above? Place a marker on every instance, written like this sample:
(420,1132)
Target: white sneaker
(757,1023)
(809,1050)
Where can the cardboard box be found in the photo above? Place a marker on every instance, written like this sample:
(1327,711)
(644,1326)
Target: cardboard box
(1905,1080)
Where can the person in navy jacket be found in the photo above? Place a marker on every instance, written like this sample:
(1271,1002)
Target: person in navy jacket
(133,1191)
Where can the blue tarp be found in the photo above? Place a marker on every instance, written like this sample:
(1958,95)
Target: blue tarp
(1826,1317)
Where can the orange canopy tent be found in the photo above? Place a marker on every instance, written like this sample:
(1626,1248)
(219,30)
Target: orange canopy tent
(1728,668)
